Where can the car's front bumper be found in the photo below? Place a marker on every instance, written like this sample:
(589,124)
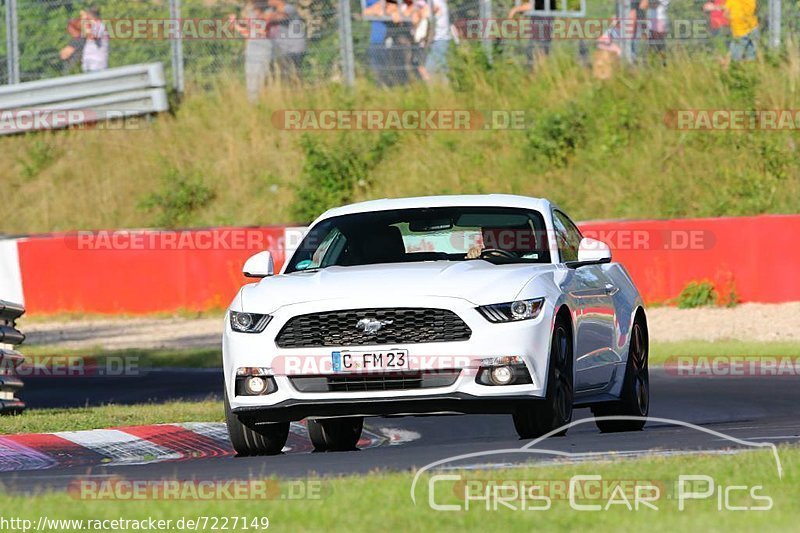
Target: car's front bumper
(528,339)
(437,404)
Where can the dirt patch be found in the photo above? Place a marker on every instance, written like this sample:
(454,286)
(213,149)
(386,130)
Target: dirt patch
(127,333)
(746,322)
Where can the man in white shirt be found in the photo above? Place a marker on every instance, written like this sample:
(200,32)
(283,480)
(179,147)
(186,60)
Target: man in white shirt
(94,55)
(436,62)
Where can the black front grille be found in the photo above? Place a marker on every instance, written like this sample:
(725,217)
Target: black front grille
(375,381)
(401,326)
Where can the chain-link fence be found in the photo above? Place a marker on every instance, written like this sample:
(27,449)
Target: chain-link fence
(316,41)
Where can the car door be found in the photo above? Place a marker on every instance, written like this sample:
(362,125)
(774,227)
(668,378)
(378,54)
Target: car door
(592,291)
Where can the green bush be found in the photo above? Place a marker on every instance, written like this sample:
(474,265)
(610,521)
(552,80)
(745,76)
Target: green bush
(40,155)
(697,294)
(332,173)
(180,197)
(557,135)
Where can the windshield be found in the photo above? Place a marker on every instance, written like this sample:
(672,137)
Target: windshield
(494,234)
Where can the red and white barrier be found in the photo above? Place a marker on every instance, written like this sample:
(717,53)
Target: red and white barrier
(755,256)
(10,275)
(144,271)
(137,445)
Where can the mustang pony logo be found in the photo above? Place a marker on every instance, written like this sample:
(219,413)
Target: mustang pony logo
(371,326)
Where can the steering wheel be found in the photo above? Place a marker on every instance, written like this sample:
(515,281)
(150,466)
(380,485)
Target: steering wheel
(497,252)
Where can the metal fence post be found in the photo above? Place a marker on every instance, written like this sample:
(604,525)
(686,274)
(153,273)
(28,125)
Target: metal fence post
(12,42)
(626,33)
(485,13)
(775,21)
(177,47)
(346,43)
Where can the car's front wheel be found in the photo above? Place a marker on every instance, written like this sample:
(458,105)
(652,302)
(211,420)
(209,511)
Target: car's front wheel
(249,438)
(635,398)
(335,434)
(555,411)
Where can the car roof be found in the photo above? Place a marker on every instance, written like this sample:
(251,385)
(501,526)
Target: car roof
(475,200)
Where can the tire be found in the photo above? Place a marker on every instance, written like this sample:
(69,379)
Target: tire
(249,439)
(635,397)
(335,434)
(542,417)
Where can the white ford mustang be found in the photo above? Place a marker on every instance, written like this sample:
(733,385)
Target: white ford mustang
(439,305)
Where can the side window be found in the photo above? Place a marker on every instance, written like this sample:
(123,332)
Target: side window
(568,237)
(325,254)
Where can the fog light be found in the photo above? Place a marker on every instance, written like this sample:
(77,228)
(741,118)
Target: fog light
(255,385)
(502,375)
(502,371)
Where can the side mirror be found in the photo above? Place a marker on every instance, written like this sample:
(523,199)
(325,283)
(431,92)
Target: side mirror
(260,265)
(593,251)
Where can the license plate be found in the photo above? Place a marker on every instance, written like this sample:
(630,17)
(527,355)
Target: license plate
(370,361)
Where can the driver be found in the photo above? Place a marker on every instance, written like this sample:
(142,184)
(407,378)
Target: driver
(475,251)
(514,242)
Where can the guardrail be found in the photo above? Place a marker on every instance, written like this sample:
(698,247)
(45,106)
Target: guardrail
(10,359)
(115,93)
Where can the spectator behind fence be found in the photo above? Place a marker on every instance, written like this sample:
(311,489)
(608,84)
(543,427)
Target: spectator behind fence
(744,29)
(73,52)
(659,27)
(288,33)
(636,14)
(542,31)
(400,42)
(609,50)
(258,47)
(718,24)
(94,55)
(436,62)
(418,12)
(376,52)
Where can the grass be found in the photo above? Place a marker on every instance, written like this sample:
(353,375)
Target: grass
(76,419)
(143,358)
(212,357)
(600,149)
(381,501)
(661,351)
(79,316)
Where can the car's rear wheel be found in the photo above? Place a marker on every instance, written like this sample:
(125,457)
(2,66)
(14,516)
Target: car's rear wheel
(555,411)
(335,434)
(635,397)
(249,438)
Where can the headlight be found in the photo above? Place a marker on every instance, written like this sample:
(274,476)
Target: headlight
(249,322)
(512,312)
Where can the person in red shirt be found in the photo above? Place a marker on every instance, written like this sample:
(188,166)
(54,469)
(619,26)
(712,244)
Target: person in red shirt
(718,17)
(718,23)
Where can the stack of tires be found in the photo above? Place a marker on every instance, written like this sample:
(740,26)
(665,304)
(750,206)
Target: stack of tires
(10,359)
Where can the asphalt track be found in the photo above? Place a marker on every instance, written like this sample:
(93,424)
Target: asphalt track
(751,408)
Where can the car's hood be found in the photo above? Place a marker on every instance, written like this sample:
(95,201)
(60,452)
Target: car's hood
(479,282)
